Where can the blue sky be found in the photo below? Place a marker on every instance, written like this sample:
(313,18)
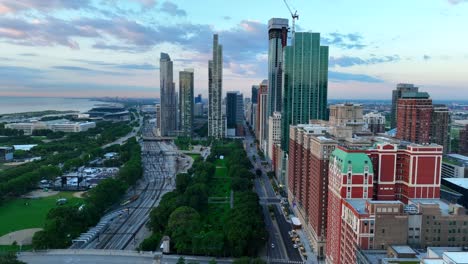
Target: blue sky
(111,47)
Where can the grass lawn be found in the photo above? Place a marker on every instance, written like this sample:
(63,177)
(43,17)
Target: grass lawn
(194,156)
(221,169)
(15,215)
(12,248)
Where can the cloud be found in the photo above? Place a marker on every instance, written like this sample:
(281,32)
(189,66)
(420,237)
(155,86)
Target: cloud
(83,70)
(147,3)
(456,2)
(126,66)
(347,61)
(13,6)
(14,74)
(144,66)
(28,54)
(343,77)
(172,9)
(344,41)
(426,57)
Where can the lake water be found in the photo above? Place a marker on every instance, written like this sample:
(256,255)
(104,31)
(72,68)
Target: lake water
(32,104)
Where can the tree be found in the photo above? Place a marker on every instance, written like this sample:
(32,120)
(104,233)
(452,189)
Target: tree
(258,172)
(196,196)
(183,223)
(243,260)
(182,181)
(10,258)
(181,260)
(151,243)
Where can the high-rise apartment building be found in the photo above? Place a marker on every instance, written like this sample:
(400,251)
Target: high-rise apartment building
(414,117)
(309,156)
(186,101)
(374,122)
(274,132)
(463,141)
(168,120)
(305,82)
(262,117)
(216,120)
(277,41)
(440,131)
(235,113)
(396,94)
(347,115)
(254,96)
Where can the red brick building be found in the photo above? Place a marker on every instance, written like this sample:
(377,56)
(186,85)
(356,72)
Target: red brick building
(414,116)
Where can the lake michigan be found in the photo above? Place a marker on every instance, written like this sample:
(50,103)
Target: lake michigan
(33,104)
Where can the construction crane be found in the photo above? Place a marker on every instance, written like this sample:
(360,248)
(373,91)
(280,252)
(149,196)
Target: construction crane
(293,15)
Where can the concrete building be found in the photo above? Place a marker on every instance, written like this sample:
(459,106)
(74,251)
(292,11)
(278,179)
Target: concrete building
(274,132)
(414,117)
(6,154)
(216,120)
(374,122)
(440,130)
(305,84)
(186,110)
(61,125)
(262,116)
(463,141)
(168,120)
(347,115)
(459,185)
(158,119)
(455,166)
(277,41)
(396,94)
(235,112)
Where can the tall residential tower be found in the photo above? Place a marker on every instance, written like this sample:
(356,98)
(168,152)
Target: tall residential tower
(216,122)
(186,101)
(277,41)
(168,122)
(396,94)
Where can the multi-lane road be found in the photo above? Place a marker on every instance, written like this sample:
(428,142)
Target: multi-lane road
(277,226)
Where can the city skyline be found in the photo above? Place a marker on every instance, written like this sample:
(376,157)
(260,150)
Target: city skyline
(64,48)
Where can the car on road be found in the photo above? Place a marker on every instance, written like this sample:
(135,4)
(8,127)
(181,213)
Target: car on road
(272,245)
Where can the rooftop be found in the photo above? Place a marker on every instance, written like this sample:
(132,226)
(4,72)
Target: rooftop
(443,206)
(358,204)
(461,182)
(358,160)
(418,95)
(458,157)
(403,249)
(456,257)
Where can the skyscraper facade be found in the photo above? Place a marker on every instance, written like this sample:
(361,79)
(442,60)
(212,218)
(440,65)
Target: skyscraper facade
(168,120)
(396,94)
(463,140)
(440,133)
(414,117)
(235,112)
(262,115)
(254,93)
(277,41)
(216,120)
(186,101)
(198,99)
(305,84)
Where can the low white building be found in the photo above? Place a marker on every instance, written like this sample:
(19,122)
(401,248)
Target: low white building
(54,125)
(274,132)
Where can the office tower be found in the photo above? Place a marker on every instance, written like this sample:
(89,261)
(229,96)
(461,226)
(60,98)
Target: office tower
(274,132)
(441,126)
(234,113)
(262,115)
(309,154)
(186,101)
(396,94)
(254,93)
(168,122)
(158,119)
(305,82)
(198,99)
(374,122)
(277,41)
(198,109)
(347,115)
(216,120)
(463,141)
(414,116)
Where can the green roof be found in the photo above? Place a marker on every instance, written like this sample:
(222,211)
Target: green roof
(356,159)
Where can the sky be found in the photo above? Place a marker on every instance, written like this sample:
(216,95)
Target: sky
(94,48)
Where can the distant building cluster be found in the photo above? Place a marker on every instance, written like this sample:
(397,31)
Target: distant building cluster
(62,125)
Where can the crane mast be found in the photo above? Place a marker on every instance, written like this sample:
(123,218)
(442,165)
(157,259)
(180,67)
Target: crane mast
(294,16)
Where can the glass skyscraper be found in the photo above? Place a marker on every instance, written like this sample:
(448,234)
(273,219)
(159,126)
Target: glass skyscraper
(216,120)
(305,82)
(168,116)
